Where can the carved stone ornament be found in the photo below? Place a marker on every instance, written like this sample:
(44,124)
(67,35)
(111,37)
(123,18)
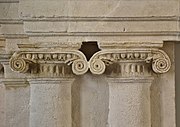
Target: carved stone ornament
(159,60)
(20,61)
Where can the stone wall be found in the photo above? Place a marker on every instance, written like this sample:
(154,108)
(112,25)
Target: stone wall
(45,35)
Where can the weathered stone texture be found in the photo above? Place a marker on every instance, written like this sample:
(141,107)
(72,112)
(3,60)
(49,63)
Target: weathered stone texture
(46,81)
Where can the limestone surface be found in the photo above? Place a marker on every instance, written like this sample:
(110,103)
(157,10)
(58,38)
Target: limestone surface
(47,81)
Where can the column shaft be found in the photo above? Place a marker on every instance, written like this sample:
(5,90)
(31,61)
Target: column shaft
(2,105)
(129,103)
(50,102)
(15,102)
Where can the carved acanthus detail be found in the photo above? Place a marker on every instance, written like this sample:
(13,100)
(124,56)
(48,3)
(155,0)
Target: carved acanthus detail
(131,61)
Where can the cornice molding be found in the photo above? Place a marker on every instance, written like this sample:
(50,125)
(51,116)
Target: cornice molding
(50,80)
(16,82)
(100,19)
(9,1)
(133,60)
(11,21)
(130,80)
(112,34)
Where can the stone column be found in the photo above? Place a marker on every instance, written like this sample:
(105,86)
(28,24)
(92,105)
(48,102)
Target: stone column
(50,102)
(2,105)
(15,103)
(129,102)
(129,92)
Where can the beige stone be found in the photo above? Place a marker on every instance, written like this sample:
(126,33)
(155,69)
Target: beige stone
(16,103)
(129,102)
(9,10)
(50,106)
(47,81)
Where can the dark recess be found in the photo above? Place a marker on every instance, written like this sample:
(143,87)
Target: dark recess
(89,48)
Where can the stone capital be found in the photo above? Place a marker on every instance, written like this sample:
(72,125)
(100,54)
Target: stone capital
(132,60)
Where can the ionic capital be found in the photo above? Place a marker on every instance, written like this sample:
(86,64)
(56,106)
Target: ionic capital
(158,59)
(131,60)
(49,62)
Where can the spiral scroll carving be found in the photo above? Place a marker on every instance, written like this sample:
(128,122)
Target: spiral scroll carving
(19,65)
(161,65)
(79,67)
(97,66)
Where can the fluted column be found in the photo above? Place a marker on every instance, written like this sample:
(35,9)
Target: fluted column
(129,102)
(50,103)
